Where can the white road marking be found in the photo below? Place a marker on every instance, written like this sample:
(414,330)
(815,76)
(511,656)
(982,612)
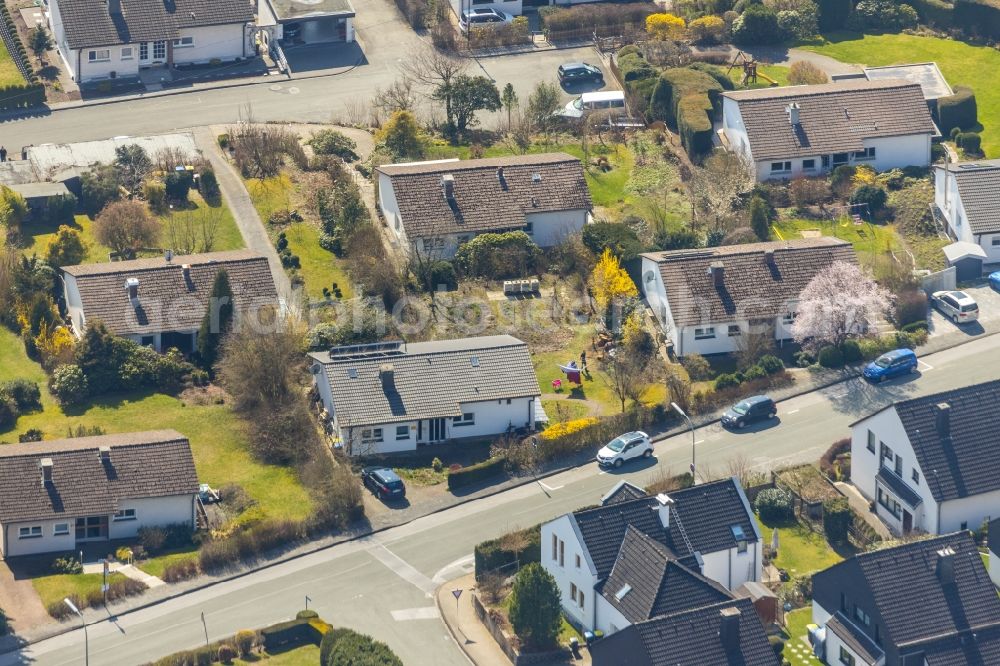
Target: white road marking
(456,569)
(698,441)
(403,569)
(928,366)
(792,411)
(548,487)
(425,613)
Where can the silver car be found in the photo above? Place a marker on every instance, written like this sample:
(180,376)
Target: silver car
(957,306)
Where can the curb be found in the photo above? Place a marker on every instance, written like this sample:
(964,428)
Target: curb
(520,481)
(451,632)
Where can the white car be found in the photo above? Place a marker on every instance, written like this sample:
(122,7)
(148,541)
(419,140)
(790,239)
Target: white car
(593,101)
(630,446)
(485,17)
(957,306)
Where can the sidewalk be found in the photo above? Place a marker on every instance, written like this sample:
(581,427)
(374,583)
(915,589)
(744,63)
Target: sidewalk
(468,631)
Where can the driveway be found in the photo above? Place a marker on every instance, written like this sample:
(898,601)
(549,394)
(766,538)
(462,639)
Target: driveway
(19,601)
(989,314)
(784,56)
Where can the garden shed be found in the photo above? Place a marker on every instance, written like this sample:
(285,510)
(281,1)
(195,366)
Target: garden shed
(764,601)
(967,258)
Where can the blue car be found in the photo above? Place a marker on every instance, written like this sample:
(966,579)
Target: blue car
(891,364)
(995,280)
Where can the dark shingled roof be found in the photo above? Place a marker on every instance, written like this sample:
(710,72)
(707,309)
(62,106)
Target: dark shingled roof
(707,513)
(483,202)
(899,487)
(979,189)
(429,379)
(833,117)
(87,23)
(854,638)
(917,607)
(623,492)
(142,464)
(657,584)
(168,301)
(966,462)
(688,638)
(751,288)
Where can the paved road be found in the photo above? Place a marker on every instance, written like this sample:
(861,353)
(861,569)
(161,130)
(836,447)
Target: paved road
(383,585)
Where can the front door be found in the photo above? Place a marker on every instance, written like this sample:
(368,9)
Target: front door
(143,54)
(907,522)
(91,528)
(159,51)
(436,429)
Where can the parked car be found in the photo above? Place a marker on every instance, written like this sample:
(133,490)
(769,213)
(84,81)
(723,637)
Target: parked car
(751,410)
(630,446)
(891,364)
(572,72)
(483,18)
(594,101)
(384,482)
(956,305)
(994,279)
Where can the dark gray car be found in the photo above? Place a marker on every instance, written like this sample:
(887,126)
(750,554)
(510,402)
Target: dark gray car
(751,410)
(572,72)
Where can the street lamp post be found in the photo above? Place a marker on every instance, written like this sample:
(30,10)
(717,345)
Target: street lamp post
(677,408)
(86,640)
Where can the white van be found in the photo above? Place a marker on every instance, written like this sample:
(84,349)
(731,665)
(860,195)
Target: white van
(594,101)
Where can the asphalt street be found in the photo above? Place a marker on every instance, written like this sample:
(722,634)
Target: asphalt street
(382,585)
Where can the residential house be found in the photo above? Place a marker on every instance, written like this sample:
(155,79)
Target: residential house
(728,632)
(395,396)
(929,463)
(924,603)
(60,494)
(114,39)
(707,299)
(634,556)
(967,196)
(312,22)
(161,302)
(795,131)
(433,207)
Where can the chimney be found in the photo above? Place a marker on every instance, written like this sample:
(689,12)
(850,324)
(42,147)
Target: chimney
(186,271)
(46,465)
(942,419)
(946,565)
(729,630)
(663,509)
(132,287)
(387,373)
(448,186)
(793,113)
(500,177)
(105,452)
(717,271)
(769,257)
(114,7)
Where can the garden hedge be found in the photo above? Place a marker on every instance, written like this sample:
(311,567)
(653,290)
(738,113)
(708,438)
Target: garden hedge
(677,83)
(978,17)
(935,12)
(694,123)
(473,473)
(833,14)
(958,110)
(836,519)
(492,555)
(295,632)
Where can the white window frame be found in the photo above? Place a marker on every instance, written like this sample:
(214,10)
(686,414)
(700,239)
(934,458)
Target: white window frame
(705,333)
(94,55)
(811,167)
(371,435)
(184,42)
(865,155)
(124,514)
(915,475)
(466,419)
(572,590)
(30,532)
(60,529)
(782,167)
(128,52)
(402,432)
(871,441)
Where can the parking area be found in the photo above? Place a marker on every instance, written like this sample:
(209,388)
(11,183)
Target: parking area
(988,300)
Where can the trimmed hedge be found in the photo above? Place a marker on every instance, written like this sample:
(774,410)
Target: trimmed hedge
(694,123)
(978,17)
(492,555)
(958,110)
(833,14)
(468,475)
(677,83)
(934,12)
(970,142)
(291,633)
(836,519)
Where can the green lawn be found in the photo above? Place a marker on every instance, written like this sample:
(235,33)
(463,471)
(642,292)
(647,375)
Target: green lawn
(795,626)
(38,234)
(961,64)
(56,587)
(216,434)
(320,268)
(227,234)
(270,195)
(307,655)
(155,566)
(777,72)
(9,73)
(564,410)
(568,631)
(866,238)
(422,476)
(800,550)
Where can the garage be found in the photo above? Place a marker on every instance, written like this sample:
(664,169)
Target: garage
(306,22)
(967,258)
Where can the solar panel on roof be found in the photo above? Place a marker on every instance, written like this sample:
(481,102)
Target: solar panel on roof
(352,373)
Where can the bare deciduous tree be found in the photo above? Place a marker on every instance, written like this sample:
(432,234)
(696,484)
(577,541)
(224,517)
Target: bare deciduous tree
(841,301)
(678,388)
(125,227)
(397,96)
(626,378)
(258,148)
(437,71)
(718,185)
(753,342)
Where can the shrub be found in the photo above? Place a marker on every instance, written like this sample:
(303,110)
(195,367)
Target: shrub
(98,187)
(836,519)
(227,653)
(330,639)
(774,505)
(970,142)
(910,307)
(882,16)
(181,570)
(676,84)
(360,650)
(937,13)
(871,195)
(208,184)
(833,14)
(623,242)
(25,394)
(155,194)
(777,644)
(842,178)
(803,359)
(697,366)
(707,29)
(474,473)
(332,142)
(694,124)
(436,275)
(68,384)
(665,26)
(30,435)
(177,185)
(760,220)
(521,546)
(568,427)
(436,464)
(851,351)
(66,565)
(771,364)
(938,152)
(725,381)
(959,110)
(499,256)
(828,461)
(535,610)
(978,17)
(758,24)
(597,18)
(830,357)
(914,327)
(754,372)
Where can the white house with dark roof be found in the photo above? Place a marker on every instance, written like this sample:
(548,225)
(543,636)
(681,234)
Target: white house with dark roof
(706,299)
(57,495)
(102,39)
(795,131)
(433,207)
(394,396)
(160,302)
(929,602)
(313,22)
(930,463)
(635,556)
(967,194)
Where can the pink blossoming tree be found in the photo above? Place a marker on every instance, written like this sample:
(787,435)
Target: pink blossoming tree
(840,302)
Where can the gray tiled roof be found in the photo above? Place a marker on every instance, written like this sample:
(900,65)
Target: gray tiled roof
(167,301)
(429,379)
(688,638)
(142,464)
(854,638)
(915,605)
(87,23)
(657,583)
(623,492)
(979,189)
(833,117)
(752,289)
(482,201)
(965,463)
(899,487)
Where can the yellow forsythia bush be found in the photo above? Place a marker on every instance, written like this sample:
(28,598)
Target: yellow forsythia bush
(665,26)
(567,428)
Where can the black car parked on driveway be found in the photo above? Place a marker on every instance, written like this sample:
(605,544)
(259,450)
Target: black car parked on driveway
(384,482)
(745,412)
(573,72)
